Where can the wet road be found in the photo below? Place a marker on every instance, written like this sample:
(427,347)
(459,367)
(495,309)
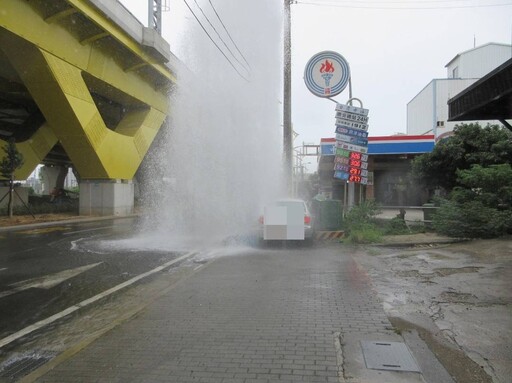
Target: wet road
(46,270)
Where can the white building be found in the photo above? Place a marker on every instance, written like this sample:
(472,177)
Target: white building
(427,112)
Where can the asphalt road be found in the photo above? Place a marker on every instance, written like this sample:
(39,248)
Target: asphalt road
(46,270)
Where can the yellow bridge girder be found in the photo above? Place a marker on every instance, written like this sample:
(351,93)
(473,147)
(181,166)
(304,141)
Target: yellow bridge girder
(103,97)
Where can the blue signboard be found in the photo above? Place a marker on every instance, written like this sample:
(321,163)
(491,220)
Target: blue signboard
(351,132)
(327,150)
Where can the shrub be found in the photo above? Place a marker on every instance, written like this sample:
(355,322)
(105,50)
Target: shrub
(362,214)
(471,219)
(396,226)
(360,224)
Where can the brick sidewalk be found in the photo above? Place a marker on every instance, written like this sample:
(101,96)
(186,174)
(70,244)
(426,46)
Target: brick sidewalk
(260,317)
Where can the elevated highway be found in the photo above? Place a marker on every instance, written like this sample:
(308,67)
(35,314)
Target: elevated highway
(83,83)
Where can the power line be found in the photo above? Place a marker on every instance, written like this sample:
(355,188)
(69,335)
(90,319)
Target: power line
(229,35)
(214,43)
(407,7)
(221,39)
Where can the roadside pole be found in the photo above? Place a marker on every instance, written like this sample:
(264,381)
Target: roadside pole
(287,104)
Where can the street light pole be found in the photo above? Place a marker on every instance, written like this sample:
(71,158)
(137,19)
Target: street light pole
(287,104)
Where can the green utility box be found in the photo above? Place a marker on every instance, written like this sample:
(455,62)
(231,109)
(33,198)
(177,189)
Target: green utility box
(327,214)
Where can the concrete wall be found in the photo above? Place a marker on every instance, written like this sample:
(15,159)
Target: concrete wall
(22,192)
(104,198)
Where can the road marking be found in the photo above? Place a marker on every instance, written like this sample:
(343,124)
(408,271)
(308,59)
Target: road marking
(44,230)
(5,268)
(47,281)
(36,326)
(86,230)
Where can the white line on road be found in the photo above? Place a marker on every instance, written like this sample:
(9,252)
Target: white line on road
(69,310)
(86,230)
(2,269)
(47,281)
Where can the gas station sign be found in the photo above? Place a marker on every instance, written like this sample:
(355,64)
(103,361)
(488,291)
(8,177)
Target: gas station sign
(327,74)
(351,161)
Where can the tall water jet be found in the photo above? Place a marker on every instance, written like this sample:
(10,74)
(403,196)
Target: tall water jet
(220,160)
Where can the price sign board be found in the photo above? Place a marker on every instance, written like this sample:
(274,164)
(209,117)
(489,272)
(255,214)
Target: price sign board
(358,179)
(351,124)
(358,156)
(352,117)
(351,132)
(357,164)
(341,175)
(352,109)
(352,140)
(342,160)
(351,161)
(341,153)
(351,147)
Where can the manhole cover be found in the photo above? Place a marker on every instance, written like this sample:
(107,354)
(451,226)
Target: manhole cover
(393,356)
(20,366)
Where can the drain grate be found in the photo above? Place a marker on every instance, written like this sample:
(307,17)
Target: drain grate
(393,356)
(20,366)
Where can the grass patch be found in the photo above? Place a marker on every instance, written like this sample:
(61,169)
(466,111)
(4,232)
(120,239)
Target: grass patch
(363,234)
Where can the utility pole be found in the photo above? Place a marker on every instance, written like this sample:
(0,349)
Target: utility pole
(287,104)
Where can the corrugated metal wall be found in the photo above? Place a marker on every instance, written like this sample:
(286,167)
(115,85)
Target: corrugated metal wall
(420,111)
(476,63)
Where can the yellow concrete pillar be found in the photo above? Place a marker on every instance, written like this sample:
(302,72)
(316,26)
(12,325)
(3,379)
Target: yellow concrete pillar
(34,150)
(63,97)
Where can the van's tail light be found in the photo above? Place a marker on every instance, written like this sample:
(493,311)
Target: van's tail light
(307,219)
(261,220)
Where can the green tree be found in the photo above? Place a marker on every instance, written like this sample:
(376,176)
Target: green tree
(12,160)
(481,206)
(492,186)
(470,145)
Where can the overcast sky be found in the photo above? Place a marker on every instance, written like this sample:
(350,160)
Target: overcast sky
(393,53)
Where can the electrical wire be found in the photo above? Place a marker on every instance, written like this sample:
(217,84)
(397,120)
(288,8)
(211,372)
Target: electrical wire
(229,35)
(214,43)
(221,39)
(406,7)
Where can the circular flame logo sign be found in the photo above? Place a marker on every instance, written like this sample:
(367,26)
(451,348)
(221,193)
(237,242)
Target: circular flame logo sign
(327,74)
